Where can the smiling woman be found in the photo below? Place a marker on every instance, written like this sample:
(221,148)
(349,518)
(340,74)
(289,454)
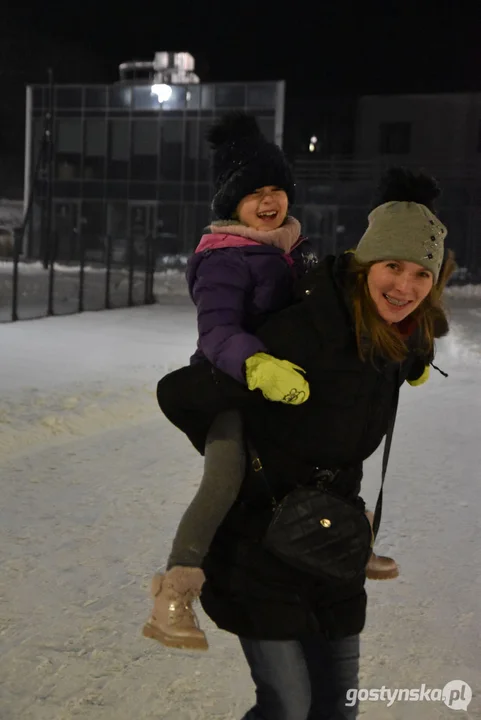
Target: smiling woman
(398,288)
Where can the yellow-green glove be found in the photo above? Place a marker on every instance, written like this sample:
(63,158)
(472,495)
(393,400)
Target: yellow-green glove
(279,380)
(421,379)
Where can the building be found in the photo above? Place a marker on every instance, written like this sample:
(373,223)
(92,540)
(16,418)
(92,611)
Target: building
(433,130)
(130,160)
(441,133)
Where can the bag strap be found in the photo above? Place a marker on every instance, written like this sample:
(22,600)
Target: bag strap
(385,458)
(257,464)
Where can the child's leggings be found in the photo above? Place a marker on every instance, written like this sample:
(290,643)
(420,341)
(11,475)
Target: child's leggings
(224,469)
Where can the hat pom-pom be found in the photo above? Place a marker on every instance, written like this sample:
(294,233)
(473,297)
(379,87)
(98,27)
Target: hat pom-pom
(233,126)
(402,185)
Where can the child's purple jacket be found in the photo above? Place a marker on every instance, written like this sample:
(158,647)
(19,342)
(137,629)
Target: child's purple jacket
(235,283)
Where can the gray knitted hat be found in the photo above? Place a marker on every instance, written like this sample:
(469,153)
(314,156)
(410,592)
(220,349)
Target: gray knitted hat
(403,231)
(402,225)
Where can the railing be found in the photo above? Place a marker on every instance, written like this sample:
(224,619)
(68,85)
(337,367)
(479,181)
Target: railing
(349,170)
(34,290)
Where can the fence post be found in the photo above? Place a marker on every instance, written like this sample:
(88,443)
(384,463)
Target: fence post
(131,271)
(17,239)
(149,270)
(51,275)
(108,266)
(81,287)
(49,133)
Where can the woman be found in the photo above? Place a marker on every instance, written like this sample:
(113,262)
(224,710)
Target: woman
(366,323)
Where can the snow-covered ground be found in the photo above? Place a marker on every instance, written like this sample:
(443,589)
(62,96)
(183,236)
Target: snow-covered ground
(93,481)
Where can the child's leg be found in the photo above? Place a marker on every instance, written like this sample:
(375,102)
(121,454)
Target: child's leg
(173,621)
(224,469)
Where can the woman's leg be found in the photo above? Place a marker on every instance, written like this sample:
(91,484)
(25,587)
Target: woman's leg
(281,677)
(333,667)
(224,469)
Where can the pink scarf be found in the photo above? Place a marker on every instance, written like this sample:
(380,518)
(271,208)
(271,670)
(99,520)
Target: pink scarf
(284,237)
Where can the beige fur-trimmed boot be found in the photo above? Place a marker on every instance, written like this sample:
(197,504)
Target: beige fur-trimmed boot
(173,621)
(380,567)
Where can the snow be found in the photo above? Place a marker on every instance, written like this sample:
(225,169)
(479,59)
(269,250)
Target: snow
(463,291)
(94,480)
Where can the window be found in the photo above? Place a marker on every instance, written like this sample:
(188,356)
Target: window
(267,127)
(230,96)
(92,225)
(395,138)
(479,136)
(177,99)
(143,99)
(168,225)
(95,148)
(96,97)
(119,149)
(120,97)
(37,97)
(66,228)
(37,139)
(68,97)
(204,154)
(170,190)
(145,147)
(117,220)
(171,150)
(191,151)
(68,145)
(261,96)
(207,102)
(193,97)
(69,135)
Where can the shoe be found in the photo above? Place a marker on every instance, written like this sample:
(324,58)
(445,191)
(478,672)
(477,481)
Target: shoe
(173,621)
(380,567)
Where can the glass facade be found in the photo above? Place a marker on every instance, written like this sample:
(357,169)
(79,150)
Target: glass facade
(125,166)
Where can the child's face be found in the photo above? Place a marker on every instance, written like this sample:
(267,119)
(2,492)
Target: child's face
(264,209)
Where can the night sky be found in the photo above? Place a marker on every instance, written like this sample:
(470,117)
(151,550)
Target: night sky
(340,48)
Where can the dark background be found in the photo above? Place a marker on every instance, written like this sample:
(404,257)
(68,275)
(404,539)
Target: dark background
(329,53)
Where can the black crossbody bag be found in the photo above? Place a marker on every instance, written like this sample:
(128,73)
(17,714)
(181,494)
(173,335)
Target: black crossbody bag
(320,532)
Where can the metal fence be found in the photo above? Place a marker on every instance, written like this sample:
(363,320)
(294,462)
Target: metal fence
(31,290)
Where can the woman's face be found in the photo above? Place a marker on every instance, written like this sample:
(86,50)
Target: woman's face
(398,287)
(264,209)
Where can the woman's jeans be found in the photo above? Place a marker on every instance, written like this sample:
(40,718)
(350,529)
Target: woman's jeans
(307,679)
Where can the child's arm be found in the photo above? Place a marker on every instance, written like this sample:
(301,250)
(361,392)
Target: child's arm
(220,292)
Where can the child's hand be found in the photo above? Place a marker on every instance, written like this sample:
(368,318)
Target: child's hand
(279,380)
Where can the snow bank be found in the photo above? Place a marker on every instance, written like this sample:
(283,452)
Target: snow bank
(463,291)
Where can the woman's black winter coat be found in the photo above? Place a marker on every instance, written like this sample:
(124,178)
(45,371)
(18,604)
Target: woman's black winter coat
(248,591)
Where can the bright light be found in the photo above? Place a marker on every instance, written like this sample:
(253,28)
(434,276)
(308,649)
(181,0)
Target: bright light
(313,140)
(163,92)
(312,147)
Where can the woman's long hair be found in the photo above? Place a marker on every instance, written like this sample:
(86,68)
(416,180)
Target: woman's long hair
(401,185)
(384,339)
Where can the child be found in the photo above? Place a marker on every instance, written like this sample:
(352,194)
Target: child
(242,271)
